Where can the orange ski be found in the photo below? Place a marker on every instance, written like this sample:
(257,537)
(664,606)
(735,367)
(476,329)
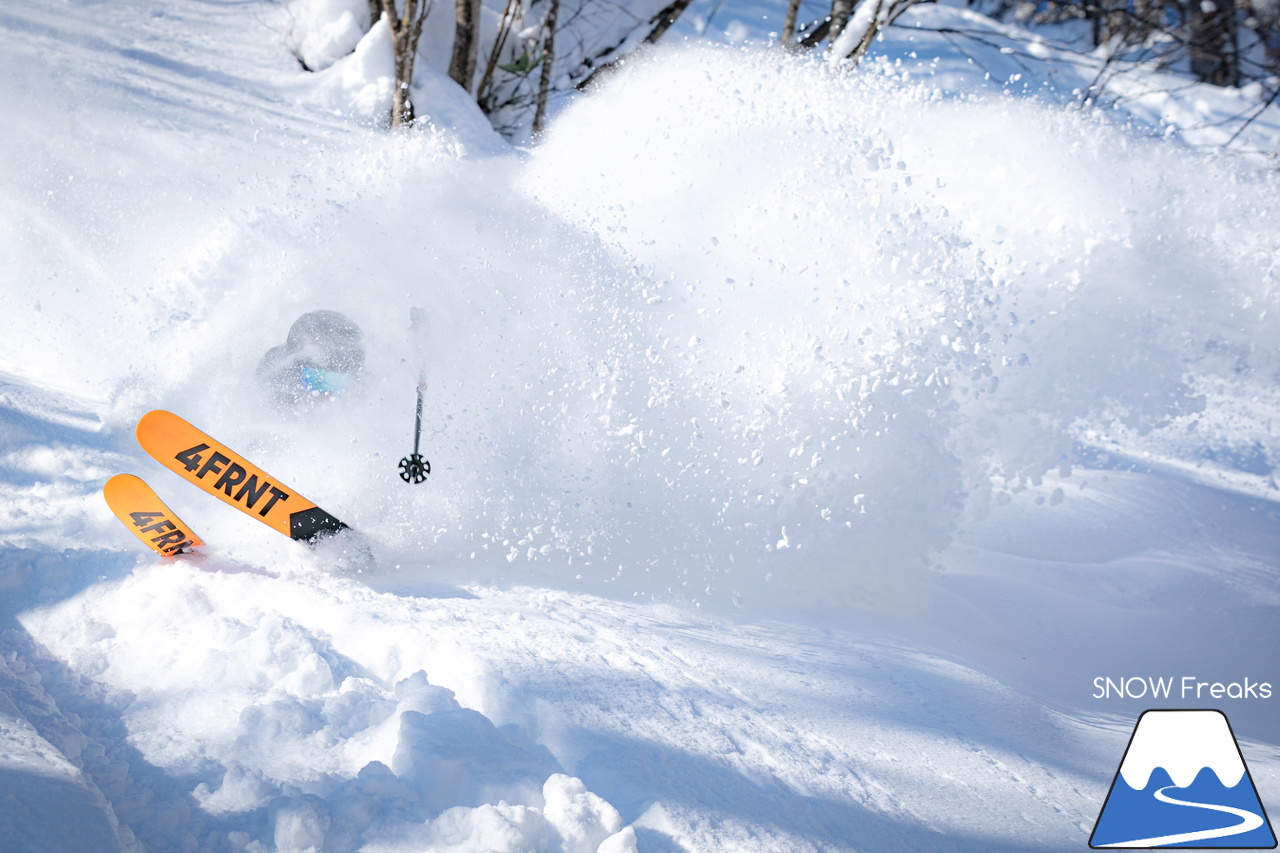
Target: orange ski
(146,516)
(228,476)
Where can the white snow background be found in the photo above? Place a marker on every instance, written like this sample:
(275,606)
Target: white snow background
(804,442)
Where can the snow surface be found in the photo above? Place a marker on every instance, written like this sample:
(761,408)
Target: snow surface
(804,444)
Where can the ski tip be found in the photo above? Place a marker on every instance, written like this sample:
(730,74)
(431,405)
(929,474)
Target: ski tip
(153,425)
(121,481)
(155,414)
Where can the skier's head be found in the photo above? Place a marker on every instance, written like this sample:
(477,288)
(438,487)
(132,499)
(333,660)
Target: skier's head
(321,356)
(326,341)
(327,348)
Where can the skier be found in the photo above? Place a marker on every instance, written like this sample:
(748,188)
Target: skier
(322,356)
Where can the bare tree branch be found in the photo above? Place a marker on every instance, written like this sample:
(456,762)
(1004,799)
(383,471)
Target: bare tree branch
(840,12)
(665,19)
(406,29)
(548,60)
(789,24)
(504,30)
(661,21)
(466,42)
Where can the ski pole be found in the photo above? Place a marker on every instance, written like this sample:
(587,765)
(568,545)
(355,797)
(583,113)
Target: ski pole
(413,468)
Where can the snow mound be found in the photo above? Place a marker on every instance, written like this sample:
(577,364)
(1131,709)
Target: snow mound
(324,31)
(274,722)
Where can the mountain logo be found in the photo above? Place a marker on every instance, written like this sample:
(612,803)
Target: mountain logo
(1183,783)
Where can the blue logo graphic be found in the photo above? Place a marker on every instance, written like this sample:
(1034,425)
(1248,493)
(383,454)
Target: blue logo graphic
(1183,783)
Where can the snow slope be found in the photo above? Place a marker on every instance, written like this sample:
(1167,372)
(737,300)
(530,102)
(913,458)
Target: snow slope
(804,446)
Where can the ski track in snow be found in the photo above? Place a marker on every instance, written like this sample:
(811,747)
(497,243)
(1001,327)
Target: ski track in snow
(637,606)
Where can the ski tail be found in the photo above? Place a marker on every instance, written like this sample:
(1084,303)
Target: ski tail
(228,476)
(147,517)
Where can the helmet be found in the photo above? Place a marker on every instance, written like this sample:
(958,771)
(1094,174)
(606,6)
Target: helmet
(326,341)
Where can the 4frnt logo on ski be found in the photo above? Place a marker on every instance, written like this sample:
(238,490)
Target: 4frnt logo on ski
(218,470)
(231,475)
(147,517)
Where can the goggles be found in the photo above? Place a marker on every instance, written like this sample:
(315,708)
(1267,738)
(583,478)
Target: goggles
(317,381)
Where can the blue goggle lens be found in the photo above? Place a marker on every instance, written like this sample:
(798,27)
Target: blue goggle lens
(319,381)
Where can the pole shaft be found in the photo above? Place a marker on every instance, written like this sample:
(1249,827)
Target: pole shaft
(417,420)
